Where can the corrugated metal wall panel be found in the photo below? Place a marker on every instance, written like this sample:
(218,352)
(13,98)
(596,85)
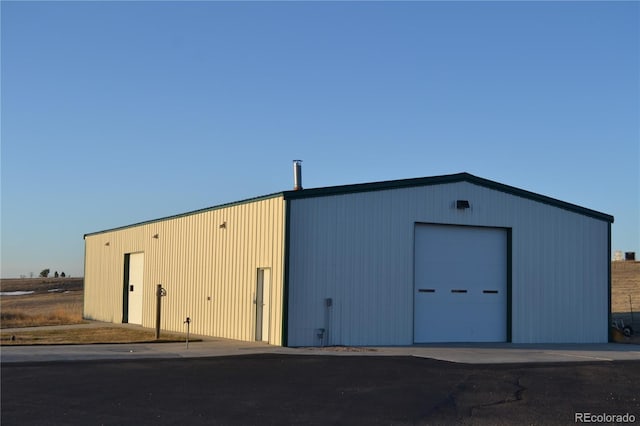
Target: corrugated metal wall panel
(358,250)
(104,263)
(209,272)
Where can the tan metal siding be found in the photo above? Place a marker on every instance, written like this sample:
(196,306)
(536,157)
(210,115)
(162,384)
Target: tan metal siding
(195,260)
(358,249)
(104,273)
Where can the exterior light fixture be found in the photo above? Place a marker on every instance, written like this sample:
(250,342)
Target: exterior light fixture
(462,204)
(223,225)
(107,243)
(156,236)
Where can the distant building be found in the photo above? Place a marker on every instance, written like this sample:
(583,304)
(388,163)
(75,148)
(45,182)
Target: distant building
(453,258)
(618,256)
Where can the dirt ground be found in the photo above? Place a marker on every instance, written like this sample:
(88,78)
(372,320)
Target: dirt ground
(314,390)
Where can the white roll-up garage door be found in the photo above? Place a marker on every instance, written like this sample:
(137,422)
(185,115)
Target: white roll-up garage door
(460,292)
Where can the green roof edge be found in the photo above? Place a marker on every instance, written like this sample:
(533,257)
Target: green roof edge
(386,185)
(438,180)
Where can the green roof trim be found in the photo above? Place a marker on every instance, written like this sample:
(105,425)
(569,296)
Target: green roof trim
(439,180)
(386,185)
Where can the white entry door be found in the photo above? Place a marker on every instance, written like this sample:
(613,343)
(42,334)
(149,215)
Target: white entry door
(135,287)
(262,304)
(460,292)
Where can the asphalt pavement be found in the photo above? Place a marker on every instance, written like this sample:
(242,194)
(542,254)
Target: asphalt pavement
(226,382)
(284,389)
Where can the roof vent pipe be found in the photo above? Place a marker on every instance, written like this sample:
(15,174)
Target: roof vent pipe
(297,175)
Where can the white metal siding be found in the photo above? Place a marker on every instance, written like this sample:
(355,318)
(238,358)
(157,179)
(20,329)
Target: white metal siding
(209,272)
(358,250)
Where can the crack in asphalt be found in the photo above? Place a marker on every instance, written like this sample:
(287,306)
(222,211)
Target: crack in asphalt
(461,398)
(517,396)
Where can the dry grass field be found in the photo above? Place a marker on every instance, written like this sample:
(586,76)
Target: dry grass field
(85,336)
(54,301)
(58,301)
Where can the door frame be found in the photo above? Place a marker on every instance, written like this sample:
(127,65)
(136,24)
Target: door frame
(262,299)
(125,289)
(125,286)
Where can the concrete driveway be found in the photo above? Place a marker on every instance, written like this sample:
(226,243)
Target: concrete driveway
(499,353)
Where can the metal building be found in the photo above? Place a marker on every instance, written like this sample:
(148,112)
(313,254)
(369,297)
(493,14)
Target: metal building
(453,258)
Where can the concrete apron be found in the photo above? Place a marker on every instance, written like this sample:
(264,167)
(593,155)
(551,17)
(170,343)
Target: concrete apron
(480,353)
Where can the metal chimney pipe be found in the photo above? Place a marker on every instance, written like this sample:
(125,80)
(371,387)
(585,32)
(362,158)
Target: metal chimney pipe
(297,175)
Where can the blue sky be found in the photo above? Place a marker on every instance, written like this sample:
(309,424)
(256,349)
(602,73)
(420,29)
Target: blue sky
(118,112)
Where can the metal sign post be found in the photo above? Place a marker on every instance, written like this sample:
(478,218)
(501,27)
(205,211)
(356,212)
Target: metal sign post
(160,292)
(188,321)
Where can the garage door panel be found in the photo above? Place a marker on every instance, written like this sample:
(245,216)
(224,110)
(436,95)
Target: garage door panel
(460,284)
